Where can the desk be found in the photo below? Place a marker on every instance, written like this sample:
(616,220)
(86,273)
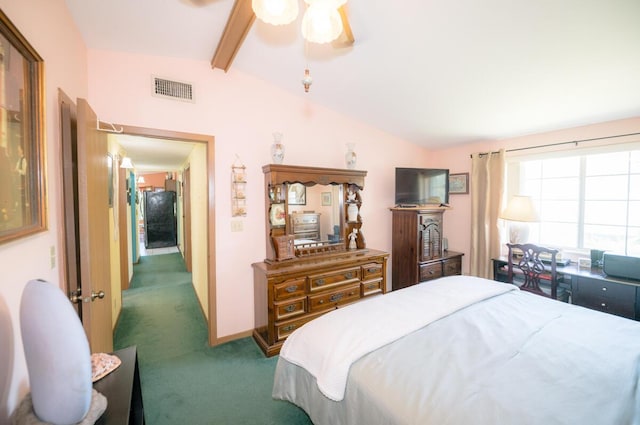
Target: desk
(591,288)
(123,392)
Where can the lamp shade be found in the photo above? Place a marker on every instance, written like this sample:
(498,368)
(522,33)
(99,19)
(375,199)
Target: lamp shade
(141,180)
(321,23)
(126,163)
(275,12)
(520,208)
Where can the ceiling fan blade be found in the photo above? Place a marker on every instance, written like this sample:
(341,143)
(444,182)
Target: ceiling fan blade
(346,38)
(238,25)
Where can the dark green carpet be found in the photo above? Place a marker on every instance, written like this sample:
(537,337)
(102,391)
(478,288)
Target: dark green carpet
(184,381)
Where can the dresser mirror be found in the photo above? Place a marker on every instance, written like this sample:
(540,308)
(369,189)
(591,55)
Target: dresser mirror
(305,210)
(319,219)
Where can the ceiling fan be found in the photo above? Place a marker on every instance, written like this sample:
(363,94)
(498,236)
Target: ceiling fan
(240,21)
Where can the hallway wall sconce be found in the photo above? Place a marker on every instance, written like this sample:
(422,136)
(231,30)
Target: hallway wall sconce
(126,163)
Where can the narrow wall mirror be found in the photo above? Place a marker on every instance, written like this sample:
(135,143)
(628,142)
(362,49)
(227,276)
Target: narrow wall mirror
(22,192)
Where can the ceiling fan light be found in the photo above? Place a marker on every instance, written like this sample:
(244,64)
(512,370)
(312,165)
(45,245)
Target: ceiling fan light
(321,23)
(275,12)
(333,3)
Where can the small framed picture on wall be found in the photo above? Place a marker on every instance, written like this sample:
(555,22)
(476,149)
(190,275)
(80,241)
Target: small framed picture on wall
(326,199)
(459,183)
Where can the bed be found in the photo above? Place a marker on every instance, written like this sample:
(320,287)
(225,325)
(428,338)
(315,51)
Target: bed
(463,350)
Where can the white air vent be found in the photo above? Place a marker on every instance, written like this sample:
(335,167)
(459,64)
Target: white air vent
(178,90)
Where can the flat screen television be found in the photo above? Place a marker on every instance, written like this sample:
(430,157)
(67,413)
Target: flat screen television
(422,186)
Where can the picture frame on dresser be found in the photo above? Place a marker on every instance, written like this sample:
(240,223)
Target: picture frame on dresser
(277,217)
(297,194)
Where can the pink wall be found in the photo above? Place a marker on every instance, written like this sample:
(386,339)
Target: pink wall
(458,221)
(47,25)
(242,112)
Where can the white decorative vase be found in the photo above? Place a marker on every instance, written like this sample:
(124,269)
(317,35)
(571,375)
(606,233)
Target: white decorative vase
(57,354)
(352,212)
(277,149)
(350,157)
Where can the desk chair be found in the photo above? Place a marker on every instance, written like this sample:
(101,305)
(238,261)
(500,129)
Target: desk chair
(527,270)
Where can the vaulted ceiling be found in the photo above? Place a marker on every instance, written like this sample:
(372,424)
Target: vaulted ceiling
(435,73)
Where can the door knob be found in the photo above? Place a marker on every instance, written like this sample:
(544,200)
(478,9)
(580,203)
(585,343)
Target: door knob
(99,294)
(76,296)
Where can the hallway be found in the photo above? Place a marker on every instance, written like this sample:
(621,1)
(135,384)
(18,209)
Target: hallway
(184,381)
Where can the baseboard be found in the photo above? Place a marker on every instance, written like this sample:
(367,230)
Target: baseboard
(233,337)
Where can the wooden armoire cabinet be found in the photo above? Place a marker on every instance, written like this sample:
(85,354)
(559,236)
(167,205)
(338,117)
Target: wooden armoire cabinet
(417,247)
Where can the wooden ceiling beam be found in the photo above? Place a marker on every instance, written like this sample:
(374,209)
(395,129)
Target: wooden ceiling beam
(346,38)
(238,25)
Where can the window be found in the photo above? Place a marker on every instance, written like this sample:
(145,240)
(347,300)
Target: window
(585,201)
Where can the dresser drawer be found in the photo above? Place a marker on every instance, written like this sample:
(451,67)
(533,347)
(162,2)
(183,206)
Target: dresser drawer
(290,308)
(430,271)
(289,288)
(284,329)
(452,267)
(371,287)
(334,299)
(371,270)
(610,297)
(320,282)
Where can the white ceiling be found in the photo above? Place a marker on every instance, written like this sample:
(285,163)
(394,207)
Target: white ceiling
(435,73)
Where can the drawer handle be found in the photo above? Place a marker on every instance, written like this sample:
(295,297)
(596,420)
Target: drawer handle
(373,270)
(604,289)
(292,288)
(603,304)
(348,275)
(336,297)
(320,282)
(290,308)
(289,328)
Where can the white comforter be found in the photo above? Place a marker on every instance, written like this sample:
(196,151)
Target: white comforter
(354,331)
(514,358)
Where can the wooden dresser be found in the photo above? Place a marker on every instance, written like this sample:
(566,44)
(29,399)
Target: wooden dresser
(305,225)
(288,295)
(300,280)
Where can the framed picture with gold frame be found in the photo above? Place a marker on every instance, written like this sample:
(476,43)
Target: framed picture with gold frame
(23,188)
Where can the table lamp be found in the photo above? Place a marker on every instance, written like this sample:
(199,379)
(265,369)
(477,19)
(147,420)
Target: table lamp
(520,211)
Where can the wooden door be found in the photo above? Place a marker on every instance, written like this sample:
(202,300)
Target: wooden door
(123,214)
(186,218)
(93,208)
(71,252)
